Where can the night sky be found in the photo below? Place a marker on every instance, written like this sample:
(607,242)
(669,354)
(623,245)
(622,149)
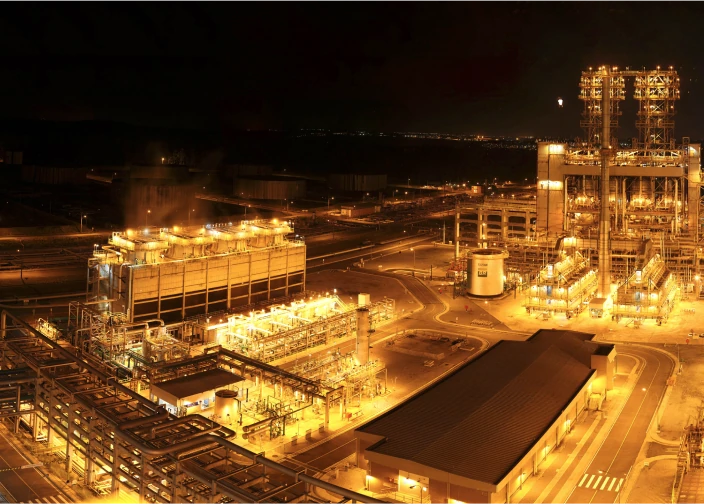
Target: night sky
(454,67)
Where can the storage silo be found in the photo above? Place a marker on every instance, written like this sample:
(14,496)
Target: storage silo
(485,272)
(226,404)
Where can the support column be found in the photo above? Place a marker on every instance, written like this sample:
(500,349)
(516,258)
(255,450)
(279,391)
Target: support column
(604,213)
(457,234)
(229,282)
(69,447)
(207,285)
(3,324)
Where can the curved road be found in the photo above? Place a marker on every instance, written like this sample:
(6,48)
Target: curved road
(604,477)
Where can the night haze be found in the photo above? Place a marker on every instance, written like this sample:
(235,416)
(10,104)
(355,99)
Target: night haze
(492,69)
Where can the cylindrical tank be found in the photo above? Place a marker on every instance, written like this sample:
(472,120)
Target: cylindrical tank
(363,335)
(225,403)
(485,272)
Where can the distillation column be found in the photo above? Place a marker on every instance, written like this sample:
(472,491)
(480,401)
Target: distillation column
(457,233)
(604,213)
(363,330)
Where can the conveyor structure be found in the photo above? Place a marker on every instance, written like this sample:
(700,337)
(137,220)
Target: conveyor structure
(119,439)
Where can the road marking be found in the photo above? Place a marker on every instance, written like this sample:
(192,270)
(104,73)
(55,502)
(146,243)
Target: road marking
(600,482)
(61,498)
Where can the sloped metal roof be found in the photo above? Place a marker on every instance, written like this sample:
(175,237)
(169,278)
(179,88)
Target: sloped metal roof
(481,420)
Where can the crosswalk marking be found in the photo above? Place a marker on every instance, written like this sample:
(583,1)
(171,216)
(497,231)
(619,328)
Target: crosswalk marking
(600,482)
(52,499)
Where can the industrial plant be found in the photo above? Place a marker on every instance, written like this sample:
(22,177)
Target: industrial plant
(609,220)
(200,352)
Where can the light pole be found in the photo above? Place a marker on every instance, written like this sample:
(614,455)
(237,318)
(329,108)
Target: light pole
(330,198)
(146,218)
(189,216)
(414,260)
(82,217)
(421,490)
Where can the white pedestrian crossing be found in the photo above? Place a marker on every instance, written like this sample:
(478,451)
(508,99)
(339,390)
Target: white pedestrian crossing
(600,482)
(53,499)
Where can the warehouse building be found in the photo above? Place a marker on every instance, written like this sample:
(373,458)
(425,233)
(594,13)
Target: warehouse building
(516,403)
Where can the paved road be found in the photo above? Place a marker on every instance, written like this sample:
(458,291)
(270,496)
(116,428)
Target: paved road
(24,485)
(607,471)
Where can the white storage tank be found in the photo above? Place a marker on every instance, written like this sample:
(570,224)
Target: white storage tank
(226,404)
(485,272)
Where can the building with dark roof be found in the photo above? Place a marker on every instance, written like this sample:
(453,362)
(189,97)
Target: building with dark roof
(476,435)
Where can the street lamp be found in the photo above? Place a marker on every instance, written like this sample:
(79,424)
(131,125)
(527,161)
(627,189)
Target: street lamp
(83,217)
(422,488)
(330,198)
(414,260)
(146,218)
(189,216)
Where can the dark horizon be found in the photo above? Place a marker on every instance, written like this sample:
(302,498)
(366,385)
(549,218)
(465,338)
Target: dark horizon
(474,68)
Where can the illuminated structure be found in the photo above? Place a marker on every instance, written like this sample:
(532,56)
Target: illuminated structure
(648,293)
(117,439)
(651,187)
(280,332)
(562,287)
(172,274)
(608,196)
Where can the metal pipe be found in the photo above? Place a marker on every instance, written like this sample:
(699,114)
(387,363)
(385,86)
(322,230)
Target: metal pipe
(80,362)
(18,413)
(604,212)
(161,415)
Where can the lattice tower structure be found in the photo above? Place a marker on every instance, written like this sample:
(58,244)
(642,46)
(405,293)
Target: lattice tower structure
(591,85)
(657,91)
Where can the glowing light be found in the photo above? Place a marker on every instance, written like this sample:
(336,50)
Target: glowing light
(556,149)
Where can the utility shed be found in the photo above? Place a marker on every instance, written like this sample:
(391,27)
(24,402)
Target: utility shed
(476,435)
(195,391)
